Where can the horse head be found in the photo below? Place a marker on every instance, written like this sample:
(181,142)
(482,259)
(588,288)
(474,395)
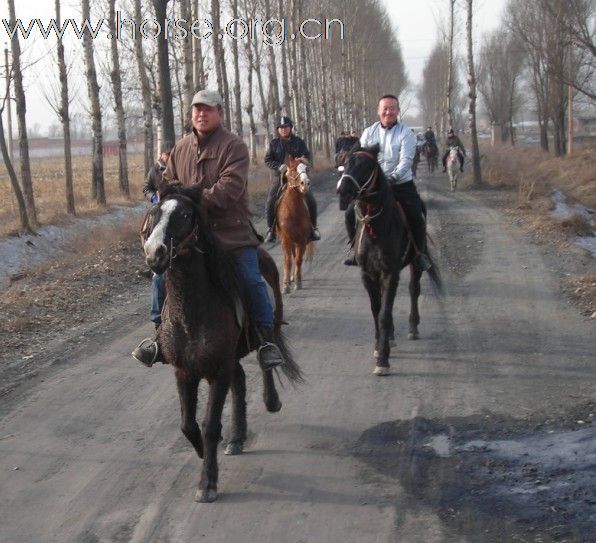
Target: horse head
(359,175)
(171,227)
(296,174)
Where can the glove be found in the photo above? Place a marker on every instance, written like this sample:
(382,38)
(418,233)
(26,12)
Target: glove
(282,169)
(154,199)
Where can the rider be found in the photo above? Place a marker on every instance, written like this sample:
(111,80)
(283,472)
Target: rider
(218,162)
(429,137)
(286,144)
(454,141)
(398,147)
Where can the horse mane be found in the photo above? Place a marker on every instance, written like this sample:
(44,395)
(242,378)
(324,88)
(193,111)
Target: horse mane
(220,263)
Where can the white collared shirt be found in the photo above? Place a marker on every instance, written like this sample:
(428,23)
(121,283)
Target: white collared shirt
(398,148)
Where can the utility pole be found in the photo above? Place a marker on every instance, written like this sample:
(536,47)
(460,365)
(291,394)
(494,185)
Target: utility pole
(9,105)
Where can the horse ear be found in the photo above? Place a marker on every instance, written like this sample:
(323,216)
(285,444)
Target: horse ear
(374,150)
(194,192)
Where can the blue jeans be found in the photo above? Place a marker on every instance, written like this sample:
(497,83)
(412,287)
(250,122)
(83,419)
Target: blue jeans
(251,282)
(158,294)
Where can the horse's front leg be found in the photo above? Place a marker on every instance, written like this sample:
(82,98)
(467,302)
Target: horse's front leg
(187,392)
(298,259)
(388,290)
(218,389)
(374,295)
(287,249)
(238,434)
(415,275)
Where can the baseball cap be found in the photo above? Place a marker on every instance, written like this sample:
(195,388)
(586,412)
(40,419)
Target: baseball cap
(207,97)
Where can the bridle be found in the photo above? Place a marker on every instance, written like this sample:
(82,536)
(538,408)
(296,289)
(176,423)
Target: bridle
(361,190)
(297,181)
(188,243)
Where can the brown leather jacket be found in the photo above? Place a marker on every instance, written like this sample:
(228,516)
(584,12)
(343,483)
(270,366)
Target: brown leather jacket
(220,167)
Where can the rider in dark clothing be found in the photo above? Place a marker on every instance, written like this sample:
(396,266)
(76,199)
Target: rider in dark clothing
(286,144)
(429,137)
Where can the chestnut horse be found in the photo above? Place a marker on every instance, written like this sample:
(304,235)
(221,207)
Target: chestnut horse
(203,333)
(293,224)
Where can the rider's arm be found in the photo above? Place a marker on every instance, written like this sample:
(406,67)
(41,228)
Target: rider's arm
(407,150)
(461,146)
(270,159)
(233,175)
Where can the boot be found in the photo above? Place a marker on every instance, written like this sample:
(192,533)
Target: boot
(270,237)
(148,352)
(268,354)
(314,234)
(351,261)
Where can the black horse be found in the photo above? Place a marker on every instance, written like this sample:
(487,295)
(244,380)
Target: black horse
(382,247)
(203,333)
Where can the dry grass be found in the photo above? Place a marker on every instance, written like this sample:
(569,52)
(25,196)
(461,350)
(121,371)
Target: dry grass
(49,193)
(533,173)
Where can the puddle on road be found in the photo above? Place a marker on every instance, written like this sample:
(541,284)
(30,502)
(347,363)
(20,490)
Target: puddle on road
(495,477)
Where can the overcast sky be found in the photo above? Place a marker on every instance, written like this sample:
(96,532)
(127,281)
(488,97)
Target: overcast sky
(416,22)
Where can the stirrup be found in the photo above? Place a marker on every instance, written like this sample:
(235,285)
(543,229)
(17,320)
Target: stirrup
(142,354)
(269,356)
(314,235)
(270,237)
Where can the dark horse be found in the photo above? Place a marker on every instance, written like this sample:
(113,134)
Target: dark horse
(203,332)
(382,247)
(431,154)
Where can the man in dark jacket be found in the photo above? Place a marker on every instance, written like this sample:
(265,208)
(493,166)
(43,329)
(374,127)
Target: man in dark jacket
(454,141)
(286,144)
(154,176)
(218,162)
(429,137)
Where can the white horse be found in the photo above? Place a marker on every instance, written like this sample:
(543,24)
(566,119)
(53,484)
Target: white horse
(453,166)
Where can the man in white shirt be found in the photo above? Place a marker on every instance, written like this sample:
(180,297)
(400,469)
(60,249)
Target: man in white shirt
(397,149)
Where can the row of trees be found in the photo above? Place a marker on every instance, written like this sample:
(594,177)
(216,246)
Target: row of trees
(326,85)
(542,55)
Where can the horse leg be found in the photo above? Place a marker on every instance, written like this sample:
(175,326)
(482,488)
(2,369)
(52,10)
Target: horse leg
(298,258)
(374,294)
(187,392)
(415,275)
(238,437)
(388,290)
(270,396)
(287,248)
(218,389)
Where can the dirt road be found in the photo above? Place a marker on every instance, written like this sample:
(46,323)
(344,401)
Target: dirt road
(91,451)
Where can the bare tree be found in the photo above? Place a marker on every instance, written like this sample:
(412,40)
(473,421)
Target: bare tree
(235,58)
(449,88)
(64,116)
(472,85)
(165,82)
(146,95)
(199,72)
(97,178)
(185,13)
(116,79)
(220,61)
(21,109)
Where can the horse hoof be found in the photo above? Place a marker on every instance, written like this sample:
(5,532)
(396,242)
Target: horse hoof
(381,370)
(206,496)
(287,289)
(376,353)
(273,407)
(298,286)
(413,335)
(234,449)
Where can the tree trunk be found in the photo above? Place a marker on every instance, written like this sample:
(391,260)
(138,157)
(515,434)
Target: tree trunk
(450,67)
(199,70)
(118,106)
(97,178)
(257,66)
(148,155)
(165,82)
(237,98)
(26,227)
(65,120)
(284,70)
(185,13)
(220,62)
(325,125)
(472,84)
(21,108)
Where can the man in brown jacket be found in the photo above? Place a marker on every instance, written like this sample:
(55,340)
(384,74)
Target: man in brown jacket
(218,161)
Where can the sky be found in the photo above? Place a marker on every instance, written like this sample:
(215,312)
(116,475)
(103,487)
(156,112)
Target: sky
(415,21)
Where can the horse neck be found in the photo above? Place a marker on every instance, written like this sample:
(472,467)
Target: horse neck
(187,282)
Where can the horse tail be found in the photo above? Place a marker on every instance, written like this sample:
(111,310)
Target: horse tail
(290,367)
(435,274)
(310,252)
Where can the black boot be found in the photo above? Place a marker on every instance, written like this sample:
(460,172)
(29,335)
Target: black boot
(422,262)
(270,237)
(350,261)
(148,352)
(314,234)
(268,354)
